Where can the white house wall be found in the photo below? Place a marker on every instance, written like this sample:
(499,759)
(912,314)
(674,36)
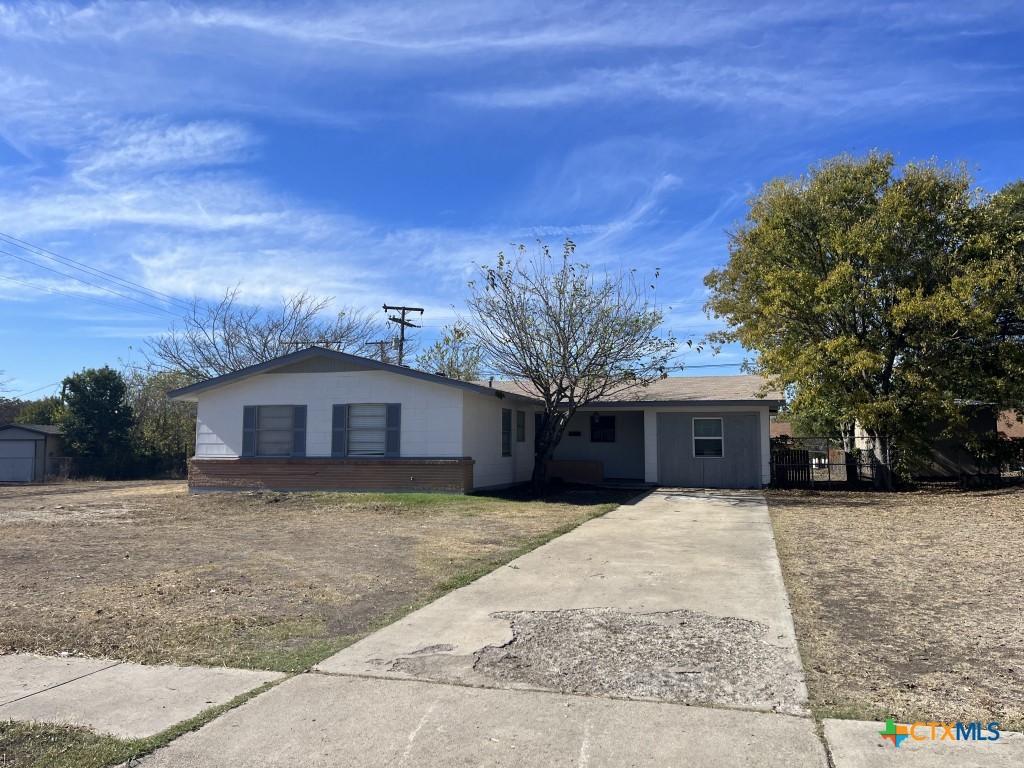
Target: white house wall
(481,439)
(431,413)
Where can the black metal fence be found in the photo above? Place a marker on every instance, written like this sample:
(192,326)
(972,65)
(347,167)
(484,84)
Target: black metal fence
(822,462)
(812,462)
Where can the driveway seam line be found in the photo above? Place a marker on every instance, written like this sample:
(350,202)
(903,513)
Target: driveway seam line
(58,685)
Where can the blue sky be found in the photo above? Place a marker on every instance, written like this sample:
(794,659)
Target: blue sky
(371,152)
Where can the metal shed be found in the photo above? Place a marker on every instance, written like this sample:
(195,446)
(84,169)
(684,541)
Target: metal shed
(25,449)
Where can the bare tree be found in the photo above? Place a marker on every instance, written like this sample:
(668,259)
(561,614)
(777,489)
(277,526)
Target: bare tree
(569,337)
(214,339)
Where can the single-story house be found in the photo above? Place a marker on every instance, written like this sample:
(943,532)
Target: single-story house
(320,419)
(25,451)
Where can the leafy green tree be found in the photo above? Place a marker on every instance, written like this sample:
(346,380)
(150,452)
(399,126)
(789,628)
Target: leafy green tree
(97,419)
(163,432)
(9,409)
(568,335)
(454,355)
(868,291)
(44,411)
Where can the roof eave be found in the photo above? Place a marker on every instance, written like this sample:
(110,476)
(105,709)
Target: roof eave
(755,403)
(191,392)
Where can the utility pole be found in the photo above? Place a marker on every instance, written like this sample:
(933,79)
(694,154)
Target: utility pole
(382,348)
(402,325)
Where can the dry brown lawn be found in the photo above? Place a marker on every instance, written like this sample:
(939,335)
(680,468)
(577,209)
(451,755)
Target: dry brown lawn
(145,572)
(909,604)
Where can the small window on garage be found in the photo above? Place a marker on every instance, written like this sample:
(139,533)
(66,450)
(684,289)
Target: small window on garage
(520,426)
(708,442)
(602,429)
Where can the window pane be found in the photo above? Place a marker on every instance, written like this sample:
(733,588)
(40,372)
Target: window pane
(367,416)
(366,429)
(366,443)
(707,447)
(274,430)
(520,426)
(707,427)
(274,417)
(274,442)
(506,432)
(602,429)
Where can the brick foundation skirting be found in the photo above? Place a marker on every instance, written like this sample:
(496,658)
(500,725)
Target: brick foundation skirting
(572,471)
(438,475)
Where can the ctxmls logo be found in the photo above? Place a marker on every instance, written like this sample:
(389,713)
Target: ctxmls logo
(897,734)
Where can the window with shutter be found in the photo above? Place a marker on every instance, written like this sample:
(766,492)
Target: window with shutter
(367,429)
(274,430)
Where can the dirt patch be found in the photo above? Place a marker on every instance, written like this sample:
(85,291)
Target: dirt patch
(682,656)
(146,572)
(910,605)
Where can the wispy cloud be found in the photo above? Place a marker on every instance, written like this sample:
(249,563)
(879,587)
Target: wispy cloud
(147,146)
(831,90)
(375,151)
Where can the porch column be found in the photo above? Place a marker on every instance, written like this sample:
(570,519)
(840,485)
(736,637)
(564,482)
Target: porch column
(650,446)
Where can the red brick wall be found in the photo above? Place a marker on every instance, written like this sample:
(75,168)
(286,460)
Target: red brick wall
(444,475)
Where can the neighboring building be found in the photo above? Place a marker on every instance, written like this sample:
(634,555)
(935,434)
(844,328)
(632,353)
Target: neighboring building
(26,450)
(1010,426)
(319,419)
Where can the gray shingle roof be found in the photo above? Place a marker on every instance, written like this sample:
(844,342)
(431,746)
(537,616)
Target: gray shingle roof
(47,429)
(681,390)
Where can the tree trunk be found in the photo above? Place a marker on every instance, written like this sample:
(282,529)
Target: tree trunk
(881,447)
(850,457)
(539,479)
(545,442)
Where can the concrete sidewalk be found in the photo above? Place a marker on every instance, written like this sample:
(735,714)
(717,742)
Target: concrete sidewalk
(582,652)
(130,701)
(857,744)
(318,721)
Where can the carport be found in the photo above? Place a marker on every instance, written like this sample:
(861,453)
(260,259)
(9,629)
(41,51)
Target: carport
(24,451)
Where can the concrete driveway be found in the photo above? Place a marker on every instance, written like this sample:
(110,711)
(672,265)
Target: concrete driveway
(586,651)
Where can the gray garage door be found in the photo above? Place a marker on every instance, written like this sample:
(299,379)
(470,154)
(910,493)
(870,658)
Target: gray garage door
(736,440)
(17,460)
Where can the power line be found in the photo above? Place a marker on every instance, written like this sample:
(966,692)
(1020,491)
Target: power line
(86,282)
(38,389)
(40,251)
(83,298)
(382,348)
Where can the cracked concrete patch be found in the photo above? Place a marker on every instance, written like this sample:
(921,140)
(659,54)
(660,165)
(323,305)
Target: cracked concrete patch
(682,656)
